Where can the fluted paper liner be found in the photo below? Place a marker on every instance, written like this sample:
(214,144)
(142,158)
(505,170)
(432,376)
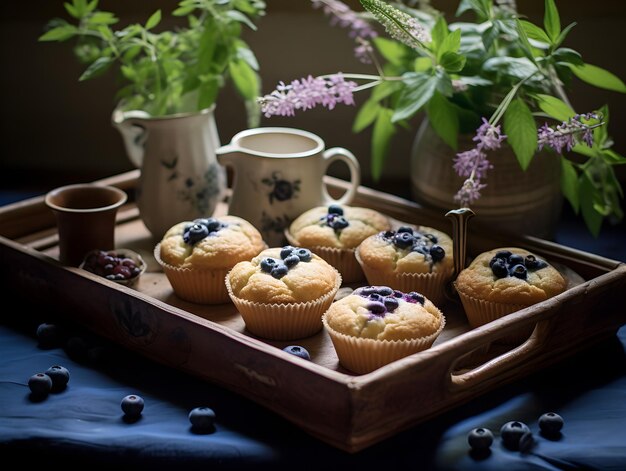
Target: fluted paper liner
(343,260)
(284,321)
(195,285)
(361,355)
(431,285)
(480,312)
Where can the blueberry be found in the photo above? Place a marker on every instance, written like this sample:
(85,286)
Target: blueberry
(286,251)
(519,271)
(516,260)
(40,384)
(503,254)
(511,432)
(499,268)
(49,335)
(437,253)
(533,263)
(268,263)
(480,438)
(304,255)
(376,307)
(60,376)
(431,238)
(339,223)
(391,303)
(298,351)
(398,293)
(366,291)
(493,260)
(414,297)
(132,405)
(213,225)
(195,233)
(292,260)
(526,442)
(405,229)
(384,291)
(279,271)
(403,240)
(202,419)
(551,423)
(335,209)
(376,297)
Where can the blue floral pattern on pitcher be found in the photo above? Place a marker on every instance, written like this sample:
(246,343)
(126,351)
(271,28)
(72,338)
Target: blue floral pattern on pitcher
(281,189)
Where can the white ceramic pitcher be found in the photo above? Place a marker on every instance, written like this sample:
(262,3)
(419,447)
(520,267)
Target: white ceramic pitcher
(181,179)
(278,174)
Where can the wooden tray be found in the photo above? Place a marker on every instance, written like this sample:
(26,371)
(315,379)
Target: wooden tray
(345,410)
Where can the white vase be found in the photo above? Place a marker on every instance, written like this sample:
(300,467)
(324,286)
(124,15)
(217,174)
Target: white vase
(181,179)
(518,201)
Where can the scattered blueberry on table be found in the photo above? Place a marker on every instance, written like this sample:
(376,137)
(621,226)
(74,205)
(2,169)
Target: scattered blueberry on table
(298,351)
(202,419)
(40,385)
(49,335)
(551,424)
(480,438)
(512,432)
(60,376)
(132,406)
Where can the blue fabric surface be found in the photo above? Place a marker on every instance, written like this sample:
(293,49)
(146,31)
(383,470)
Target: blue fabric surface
(84,423)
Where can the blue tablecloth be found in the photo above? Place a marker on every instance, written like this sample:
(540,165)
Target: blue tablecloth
(84,423)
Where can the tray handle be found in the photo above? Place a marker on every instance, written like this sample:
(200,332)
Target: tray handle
(501,365)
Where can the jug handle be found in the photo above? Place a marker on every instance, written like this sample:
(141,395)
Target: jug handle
(339,153)
(133,133)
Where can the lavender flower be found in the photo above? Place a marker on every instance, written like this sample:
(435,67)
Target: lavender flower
(489,136)
(469,192)
(565,135)
(473,161)
(342,15)
(306,94)
(400,26)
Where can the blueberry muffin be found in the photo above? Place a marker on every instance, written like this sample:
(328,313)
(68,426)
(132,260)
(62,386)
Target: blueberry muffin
(333,232)
(197,255)
(376,325)
(506,280)
(282,293)
(409,259)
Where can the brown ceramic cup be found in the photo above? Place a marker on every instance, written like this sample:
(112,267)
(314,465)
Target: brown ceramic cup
(85,215)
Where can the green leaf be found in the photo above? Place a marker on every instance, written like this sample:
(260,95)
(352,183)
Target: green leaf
(385,89)
(489,36)
(382,134)
(453,62)
(207,92)
(245,53)
(567,55)
(422,64)
(613,157)
(599,77)
(438,34)
(184,11)
(527,48)
(71,9)
(392,51)
(444,83)
(102,18)
(451,43)
(516,67)
(106,32)
(535,32)
(563,35)
(241,18)
(244,78)
(60,33)
(366,115)
(418,89)
(91,6)
(521,131)
(98,67)
(588,195)
(551,20)
(554,107)
(154,20)
(569,183)
(444,119)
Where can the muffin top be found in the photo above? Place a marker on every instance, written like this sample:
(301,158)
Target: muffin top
(210,243)
(283,275)
(408,250)
(510,275)
(381,313)
(342,227)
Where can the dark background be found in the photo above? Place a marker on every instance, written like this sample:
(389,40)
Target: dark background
(56,130)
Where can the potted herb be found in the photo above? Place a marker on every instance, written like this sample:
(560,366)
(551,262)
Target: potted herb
(171,80)
(497,84)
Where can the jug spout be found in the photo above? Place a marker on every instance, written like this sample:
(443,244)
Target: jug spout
(225,153)
(129,124)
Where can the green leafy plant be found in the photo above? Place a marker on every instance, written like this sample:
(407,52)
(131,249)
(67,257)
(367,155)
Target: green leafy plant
(167,72)
(500,76)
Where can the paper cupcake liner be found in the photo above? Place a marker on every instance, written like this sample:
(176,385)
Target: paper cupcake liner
(284,321)
(366,355)
(195,285)
(342,259)
(431,285)
(480,312)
